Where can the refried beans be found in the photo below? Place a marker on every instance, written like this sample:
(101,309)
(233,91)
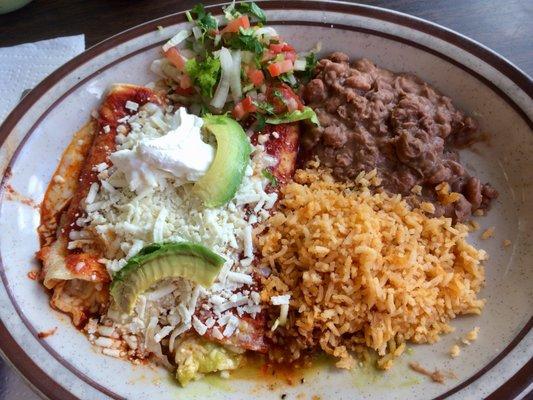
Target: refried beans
(373,118)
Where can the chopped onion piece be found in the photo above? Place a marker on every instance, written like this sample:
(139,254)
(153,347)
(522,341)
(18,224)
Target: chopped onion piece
(197,47)
(247,56)
(226,64)
(218,37)
(266,31)
(187,53)
(235,79)
(197,32)
(177,39)
(170,71)
(157,67)
(299,65)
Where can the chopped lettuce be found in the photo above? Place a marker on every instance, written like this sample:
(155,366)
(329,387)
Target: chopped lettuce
(298,115)
(204,74)
(195,357)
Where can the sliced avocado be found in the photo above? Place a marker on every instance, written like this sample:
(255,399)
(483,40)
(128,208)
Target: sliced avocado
(160,261)
(195,357)
(222,179)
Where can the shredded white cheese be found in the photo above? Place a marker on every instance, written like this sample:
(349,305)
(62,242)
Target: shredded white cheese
(131,105)
(93,190)
(239,277)
(125,221)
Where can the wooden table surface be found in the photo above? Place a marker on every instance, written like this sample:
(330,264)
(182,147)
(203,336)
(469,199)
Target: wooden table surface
(505,26)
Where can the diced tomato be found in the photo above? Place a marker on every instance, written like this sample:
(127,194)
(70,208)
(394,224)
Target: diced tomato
(279,68)
(238,112)
(236,24)
(184,92)
(287,47)
(290,55)
(174,56)
(256,76)
(276,47)
(268,55)
(280,47)
(248,104)
(283,98)
(185,82)
(243,108)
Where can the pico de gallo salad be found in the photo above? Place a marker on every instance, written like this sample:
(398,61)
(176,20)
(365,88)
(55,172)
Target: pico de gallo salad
(235,64)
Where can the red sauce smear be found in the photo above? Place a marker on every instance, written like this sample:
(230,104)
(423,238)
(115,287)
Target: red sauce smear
(13,195)
(45,334)
(84,264)
(33,275)
(8,173)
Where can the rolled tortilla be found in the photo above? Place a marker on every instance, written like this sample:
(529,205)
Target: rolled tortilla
(78,279)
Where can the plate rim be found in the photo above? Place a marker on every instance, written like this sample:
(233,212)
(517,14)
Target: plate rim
(46,385)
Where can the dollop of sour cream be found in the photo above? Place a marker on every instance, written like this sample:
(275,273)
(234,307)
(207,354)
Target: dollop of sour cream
(181,153)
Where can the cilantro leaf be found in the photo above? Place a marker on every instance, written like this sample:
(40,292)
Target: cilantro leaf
(204,74)
(267,174)
(264,107)
(245,40)
(260,122)
(204,111)
(252,9)
(230,12)
(204,20)
(311,61)
(279,95)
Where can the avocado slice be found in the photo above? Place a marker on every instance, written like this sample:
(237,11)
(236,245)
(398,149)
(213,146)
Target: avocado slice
(195,357)
(160,261)
(222,179)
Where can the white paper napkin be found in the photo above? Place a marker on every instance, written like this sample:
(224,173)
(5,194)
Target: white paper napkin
(24,66)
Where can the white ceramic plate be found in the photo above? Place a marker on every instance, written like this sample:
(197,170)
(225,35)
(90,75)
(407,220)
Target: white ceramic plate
(498,365)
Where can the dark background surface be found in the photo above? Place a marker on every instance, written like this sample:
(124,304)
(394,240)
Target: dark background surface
(505,26)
